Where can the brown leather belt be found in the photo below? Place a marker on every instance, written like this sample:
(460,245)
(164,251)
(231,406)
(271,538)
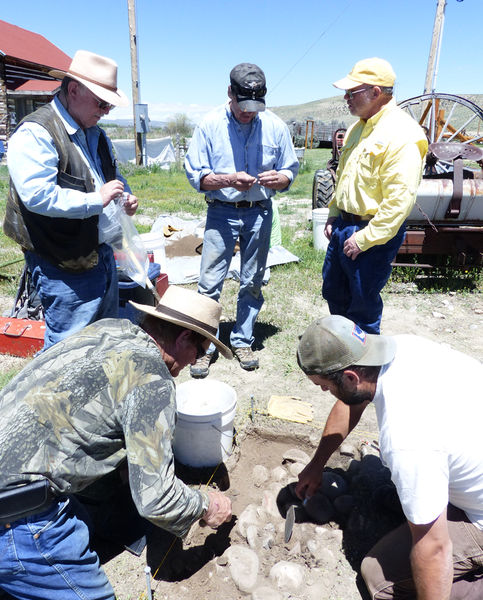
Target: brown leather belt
(345,216)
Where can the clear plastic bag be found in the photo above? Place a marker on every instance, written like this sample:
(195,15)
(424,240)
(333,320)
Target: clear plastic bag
(129,249)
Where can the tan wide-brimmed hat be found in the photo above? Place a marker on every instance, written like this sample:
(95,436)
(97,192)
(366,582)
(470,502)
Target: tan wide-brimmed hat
(97,73)
(189,309)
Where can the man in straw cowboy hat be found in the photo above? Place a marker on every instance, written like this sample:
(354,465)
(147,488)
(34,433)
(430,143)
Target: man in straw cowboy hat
(379,172)
(101,399)
(60,207)
(429,414)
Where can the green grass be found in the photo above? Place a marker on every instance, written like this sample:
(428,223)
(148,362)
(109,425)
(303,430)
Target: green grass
(9,250)
(168,191)
(163,191)
(312,160)
(443,278)
(6,377)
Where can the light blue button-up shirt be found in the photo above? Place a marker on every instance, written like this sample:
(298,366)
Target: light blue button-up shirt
(33,166)
(219,145)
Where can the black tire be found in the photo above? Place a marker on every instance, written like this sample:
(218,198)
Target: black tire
(322,188)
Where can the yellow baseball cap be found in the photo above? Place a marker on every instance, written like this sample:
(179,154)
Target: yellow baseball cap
(373,71)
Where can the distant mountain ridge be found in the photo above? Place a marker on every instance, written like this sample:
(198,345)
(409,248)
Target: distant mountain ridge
(326,110)
(335,109)
(129,123)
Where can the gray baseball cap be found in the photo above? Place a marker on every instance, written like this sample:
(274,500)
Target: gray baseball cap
(334,343)
(249,86)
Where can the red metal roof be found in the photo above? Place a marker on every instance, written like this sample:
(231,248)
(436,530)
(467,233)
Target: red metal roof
(38,85)
(19,43)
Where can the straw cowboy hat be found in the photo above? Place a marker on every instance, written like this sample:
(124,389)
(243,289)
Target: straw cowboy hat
(97,73)
(189,309)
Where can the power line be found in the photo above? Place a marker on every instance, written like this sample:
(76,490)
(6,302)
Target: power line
(321,35)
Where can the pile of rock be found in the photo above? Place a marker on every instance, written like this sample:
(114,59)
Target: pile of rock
(354,506)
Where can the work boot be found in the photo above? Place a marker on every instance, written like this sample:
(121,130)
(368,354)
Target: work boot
(201,368)
(246,358)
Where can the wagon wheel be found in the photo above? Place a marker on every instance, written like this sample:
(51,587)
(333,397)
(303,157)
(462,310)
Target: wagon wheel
(445,118)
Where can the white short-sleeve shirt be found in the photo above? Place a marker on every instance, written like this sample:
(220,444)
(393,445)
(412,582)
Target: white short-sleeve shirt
(429,405)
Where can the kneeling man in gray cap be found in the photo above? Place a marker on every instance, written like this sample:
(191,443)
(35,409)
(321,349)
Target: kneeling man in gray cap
(429,414)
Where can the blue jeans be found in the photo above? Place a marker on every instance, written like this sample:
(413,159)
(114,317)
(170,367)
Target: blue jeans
(73,300)
(224,226)
(47,557)
(352,287)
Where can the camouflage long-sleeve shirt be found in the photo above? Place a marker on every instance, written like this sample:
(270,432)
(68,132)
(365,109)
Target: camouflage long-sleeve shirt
(83,406)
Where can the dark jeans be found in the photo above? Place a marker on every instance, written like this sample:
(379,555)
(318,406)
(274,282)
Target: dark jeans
(352,287)
(387,571)
(72,301)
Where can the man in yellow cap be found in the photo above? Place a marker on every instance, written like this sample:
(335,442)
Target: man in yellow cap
(379,172)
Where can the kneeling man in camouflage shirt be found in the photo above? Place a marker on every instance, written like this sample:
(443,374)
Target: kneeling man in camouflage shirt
(94,401)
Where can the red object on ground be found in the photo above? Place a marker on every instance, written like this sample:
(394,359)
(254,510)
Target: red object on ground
(162,283)
(21,337)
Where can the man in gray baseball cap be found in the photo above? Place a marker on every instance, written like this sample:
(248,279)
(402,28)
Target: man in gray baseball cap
(239,157)
(430,443)
(248,85)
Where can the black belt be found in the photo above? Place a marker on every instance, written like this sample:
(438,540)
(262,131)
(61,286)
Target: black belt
(25,500)
(345,216)
(241,204)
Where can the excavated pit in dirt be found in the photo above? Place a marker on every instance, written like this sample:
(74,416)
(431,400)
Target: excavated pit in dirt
(248,557)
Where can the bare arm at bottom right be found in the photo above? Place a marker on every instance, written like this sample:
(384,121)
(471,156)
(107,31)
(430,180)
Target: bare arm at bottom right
(340,422)
(431,559)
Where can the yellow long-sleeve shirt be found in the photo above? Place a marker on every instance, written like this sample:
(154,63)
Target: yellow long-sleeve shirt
(379,172)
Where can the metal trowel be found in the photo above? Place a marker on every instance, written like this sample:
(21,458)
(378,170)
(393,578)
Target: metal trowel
(289,522)
(290,517)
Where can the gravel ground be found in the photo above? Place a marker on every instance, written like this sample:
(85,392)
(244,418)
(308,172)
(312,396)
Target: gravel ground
(321,560)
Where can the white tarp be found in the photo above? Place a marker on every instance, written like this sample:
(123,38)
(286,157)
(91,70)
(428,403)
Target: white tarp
(159,151)
(186,269)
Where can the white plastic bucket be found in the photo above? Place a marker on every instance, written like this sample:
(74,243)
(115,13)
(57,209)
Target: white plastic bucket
(206,410)
(154,242)
(319,219)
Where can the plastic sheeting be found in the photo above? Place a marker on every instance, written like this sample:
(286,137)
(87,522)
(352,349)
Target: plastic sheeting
(159,151)
(186,269)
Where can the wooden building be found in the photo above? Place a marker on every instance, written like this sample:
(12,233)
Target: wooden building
(25,60)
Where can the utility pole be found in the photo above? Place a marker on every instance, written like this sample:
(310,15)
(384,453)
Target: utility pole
(432,71)
(131,7)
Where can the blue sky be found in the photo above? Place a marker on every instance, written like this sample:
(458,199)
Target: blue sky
(187,47)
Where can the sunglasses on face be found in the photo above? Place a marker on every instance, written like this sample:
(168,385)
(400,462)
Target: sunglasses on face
(350,93)
(102,104)
(200,351)
(248,93)
(198,340)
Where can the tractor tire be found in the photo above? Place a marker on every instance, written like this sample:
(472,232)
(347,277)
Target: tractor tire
(322,188)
